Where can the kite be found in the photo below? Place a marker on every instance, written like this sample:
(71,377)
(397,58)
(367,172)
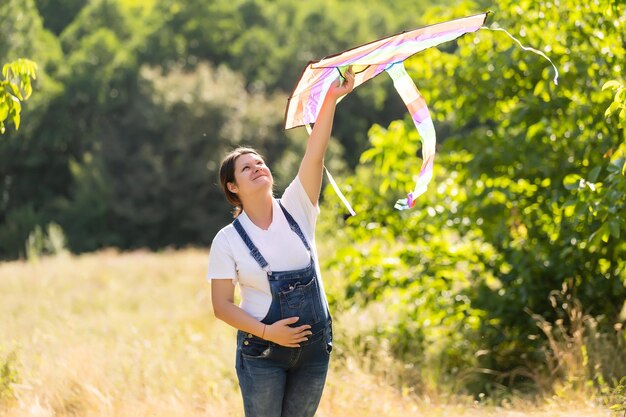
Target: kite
(369,60)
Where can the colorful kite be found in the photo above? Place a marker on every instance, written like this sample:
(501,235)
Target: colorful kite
(367,62)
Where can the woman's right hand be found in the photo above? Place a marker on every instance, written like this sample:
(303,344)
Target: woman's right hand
(281,333)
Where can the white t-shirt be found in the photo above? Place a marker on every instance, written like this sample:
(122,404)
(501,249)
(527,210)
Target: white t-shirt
(229,257)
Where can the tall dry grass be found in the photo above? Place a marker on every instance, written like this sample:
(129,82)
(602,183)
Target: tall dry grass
(580,358)
(133,334)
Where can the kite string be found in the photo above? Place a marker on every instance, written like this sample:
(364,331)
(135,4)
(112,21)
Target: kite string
(527,48)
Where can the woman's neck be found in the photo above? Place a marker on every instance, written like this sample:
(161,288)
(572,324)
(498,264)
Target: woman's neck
(260,210)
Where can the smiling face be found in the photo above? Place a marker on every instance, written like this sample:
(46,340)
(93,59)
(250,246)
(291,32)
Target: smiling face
(251,176)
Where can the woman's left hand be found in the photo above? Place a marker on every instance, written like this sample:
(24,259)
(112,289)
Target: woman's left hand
(339,88)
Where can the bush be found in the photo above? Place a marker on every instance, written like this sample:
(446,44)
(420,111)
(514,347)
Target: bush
(8,375)
(49,242)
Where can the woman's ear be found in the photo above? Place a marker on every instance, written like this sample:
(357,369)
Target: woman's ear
(232,187)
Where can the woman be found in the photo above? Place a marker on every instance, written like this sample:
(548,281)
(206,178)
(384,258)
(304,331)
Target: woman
(284,336)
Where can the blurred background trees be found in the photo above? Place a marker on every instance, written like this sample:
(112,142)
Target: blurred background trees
(137,101)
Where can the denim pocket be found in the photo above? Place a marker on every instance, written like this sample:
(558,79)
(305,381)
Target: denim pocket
(301,300)
(254,347)
(296,294)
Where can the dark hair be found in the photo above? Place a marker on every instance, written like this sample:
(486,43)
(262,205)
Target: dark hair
(227,174)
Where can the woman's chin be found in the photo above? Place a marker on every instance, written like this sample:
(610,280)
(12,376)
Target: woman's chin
(264,180)
(263,183)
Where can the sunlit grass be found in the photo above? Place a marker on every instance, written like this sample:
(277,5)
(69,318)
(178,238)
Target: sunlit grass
(133,334)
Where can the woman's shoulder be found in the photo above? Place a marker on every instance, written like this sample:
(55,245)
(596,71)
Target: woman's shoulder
(222,262)
(296,198)
(224,235)
(297,203)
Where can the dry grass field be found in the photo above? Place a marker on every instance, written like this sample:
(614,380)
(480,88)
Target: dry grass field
(133,334)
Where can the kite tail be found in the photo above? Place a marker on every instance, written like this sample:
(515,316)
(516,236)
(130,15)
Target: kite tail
(332,182)
(418,109)
(533,50)
(343,199)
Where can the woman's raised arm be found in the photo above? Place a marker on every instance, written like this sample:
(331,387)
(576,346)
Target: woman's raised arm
(310,172)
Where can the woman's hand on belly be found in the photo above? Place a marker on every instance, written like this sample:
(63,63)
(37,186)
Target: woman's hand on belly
(281,333)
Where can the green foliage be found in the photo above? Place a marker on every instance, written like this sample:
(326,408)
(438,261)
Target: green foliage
(270,42)
(15,88)
(57,15)
(93,103)
(528,193)
(86,213)
(181,123)
(8,375)
(49,242)
(419,265)
(14,231)
(31,171)
(619,101)
(19,18)
(618,399)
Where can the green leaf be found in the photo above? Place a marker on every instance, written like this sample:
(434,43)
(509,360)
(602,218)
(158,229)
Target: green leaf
(16,120)
(572,181)
(614,166)
(16,91)
(614,224)
(605,232)
(593,175)
(611,84)
(15,104)
(28,90)
(4,110)
(612,108)
(534,129)
(539,88)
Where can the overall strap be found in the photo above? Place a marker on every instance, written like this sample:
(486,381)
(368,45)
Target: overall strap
(253,249)
(294,226)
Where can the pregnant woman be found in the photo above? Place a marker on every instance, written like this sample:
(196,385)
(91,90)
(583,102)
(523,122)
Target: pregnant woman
(284,337)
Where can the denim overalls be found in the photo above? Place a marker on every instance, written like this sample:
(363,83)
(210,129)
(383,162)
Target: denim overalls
(277,381)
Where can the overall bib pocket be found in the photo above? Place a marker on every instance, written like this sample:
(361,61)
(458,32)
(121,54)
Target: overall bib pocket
(298,299)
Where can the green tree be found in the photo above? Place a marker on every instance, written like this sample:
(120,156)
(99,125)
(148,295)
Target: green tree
(270,42)
(161,157)
(57,15)
(29,173)
(527,196)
